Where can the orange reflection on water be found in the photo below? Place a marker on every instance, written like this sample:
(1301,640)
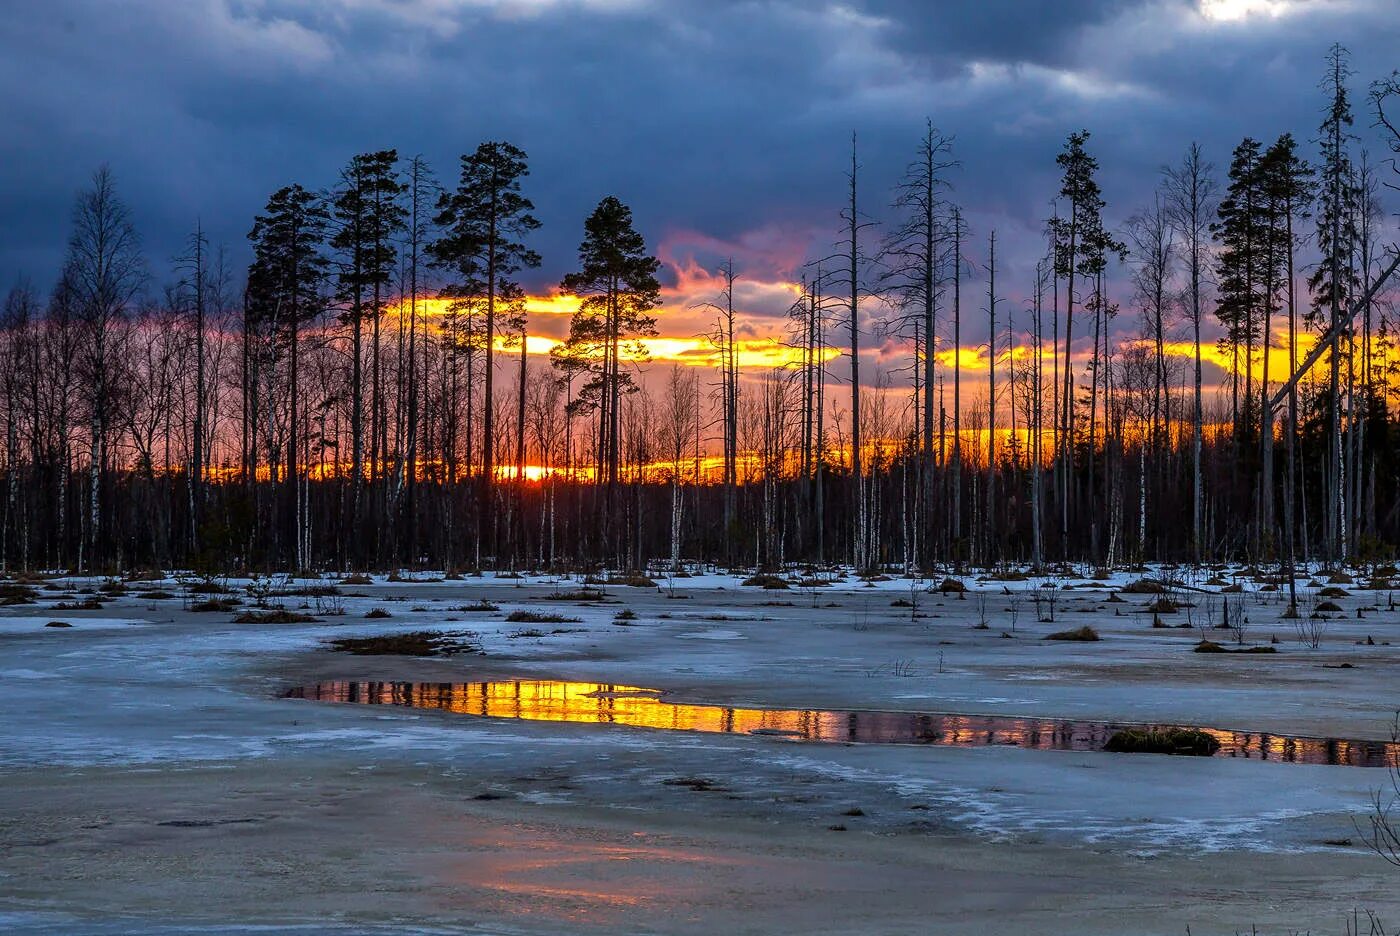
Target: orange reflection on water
(639,707)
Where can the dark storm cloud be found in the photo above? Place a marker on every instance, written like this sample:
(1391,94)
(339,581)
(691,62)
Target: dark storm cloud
(722,118)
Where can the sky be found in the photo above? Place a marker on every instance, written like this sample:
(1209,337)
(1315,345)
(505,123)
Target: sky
(725,124)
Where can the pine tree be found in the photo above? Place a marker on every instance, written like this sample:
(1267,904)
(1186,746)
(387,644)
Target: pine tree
(617,283)
(1333,282)
(484,225)
(1242,233)
(286,284)
(367,215)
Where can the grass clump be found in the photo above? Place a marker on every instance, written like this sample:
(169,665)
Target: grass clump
(377,613)
(1144,586)
(633,580)
(951,585)
(537,617)
(1190,742)
(1210,646)
(215,604)
(482,605)
(764,580)
(14,594)
(1085,633)
(1329,606)
(87,604)
(413,643)
(274,616)
(357,578)
(582,594)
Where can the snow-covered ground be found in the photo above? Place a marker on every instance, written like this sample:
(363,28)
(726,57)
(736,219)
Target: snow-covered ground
(146,737)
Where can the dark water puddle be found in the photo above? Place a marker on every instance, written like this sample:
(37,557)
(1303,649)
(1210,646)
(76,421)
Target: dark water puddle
(638,707)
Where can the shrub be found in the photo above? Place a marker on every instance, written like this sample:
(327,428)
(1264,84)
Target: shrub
(377,613)
(357,578)
(1191,742)
(764,580)
(951,584)
(1079,633)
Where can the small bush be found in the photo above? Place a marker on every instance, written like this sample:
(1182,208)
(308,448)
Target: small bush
(626,614)
(1332,591)
(1163,605)
(1191,742)
(377,613)
(951,584)
(1085,633)
(357,578)
(764,580)
(1329,606)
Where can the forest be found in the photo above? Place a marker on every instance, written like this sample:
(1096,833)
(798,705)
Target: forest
(364,394)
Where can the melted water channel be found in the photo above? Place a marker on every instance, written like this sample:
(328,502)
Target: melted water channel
(638,707)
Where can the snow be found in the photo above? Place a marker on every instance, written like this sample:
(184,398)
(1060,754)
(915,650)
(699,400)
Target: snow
(136,686)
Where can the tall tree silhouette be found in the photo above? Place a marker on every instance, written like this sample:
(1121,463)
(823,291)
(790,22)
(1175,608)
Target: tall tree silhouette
(617,283)
(367,215)
(286,291)
(103,273)
(485,221)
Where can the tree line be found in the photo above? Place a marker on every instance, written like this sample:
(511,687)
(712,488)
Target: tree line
(363,394)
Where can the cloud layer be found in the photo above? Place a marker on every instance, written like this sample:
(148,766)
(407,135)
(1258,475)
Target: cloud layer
(725,123)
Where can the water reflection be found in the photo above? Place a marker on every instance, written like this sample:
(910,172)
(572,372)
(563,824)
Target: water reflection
(638,707)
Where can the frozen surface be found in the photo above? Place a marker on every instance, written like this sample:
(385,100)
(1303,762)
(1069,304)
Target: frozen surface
(146,694)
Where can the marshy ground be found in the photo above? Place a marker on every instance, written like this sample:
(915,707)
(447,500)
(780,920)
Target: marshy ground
(153,775)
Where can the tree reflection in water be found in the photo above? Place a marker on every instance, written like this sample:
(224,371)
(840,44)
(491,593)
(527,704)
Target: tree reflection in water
(638,707)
